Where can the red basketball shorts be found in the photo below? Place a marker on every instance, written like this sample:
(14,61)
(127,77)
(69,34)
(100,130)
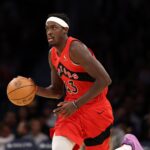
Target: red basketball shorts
(89,125)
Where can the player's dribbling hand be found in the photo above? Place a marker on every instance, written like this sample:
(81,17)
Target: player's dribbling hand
(65,109)
(36,87)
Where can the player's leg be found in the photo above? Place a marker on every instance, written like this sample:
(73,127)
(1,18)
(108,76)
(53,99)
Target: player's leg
(69,127)
(124,147)
(62,143)
(130,142)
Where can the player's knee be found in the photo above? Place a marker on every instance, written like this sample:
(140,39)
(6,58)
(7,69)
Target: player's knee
(62,143)
(56,146)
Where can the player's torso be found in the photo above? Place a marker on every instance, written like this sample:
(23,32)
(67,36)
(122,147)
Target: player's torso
(76,80)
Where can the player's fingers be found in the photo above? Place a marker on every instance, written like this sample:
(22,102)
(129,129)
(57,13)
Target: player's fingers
(57,110)
(31,80)
(20,76)
(61,104)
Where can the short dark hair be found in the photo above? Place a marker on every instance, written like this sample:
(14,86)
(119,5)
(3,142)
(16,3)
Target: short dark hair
(61,16)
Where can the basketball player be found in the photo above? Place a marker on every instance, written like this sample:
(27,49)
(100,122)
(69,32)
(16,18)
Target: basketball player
(85,116)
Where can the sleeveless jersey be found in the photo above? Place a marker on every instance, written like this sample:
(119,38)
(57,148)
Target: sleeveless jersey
(77,81)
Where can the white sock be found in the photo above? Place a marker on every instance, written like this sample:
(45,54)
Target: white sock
(124,147)
(62,143)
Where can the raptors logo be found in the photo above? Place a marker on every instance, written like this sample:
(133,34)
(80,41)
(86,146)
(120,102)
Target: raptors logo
(62,70)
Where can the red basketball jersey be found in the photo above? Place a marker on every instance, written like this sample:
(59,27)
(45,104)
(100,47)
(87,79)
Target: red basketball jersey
(77,81)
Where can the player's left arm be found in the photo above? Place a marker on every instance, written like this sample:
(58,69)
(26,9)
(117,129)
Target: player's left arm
(80,55)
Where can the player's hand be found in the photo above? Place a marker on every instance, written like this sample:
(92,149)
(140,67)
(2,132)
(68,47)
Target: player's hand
(30,79)
(27,78)
(65,109)
(36,87)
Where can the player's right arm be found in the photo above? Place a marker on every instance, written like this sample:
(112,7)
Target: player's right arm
(56,89)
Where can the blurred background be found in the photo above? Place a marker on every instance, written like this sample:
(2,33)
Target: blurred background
(119,34)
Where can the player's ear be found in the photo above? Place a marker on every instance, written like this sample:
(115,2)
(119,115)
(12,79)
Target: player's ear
(65,30)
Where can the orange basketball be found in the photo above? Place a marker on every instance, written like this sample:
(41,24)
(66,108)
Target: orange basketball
(21,91)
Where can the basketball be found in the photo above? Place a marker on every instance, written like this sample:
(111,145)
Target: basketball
(21,91)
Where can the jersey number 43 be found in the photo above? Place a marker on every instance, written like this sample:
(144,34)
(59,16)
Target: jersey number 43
(70,87)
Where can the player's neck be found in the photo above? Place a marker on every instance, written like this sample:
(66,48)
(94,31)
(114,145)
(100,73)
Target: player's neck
(62,45)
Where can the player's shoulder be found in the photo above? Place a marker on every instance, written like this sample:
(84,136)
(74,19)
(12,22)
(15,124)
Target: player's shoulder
(77,45)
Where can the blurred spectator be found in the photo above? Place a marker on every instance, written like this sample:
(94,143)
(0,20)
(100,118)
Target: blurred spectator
(35,132)
(6,135)
(116,137)
(22,129)
(49,116)
(11,120)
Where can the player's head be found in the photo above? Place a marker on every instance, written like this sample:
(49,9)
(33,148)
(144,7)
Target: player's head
(57,26)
